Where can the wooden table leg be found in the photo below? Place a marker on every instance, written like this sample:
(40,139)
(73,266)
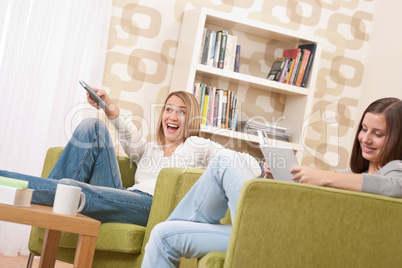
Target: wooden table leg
(85,251)
(49,248)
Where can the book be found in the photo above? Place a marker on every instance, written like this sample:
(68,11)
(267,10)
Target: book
(237,59)
(221,61)
(211,48)
(228,104)
(216,108)
(236,116)
(292,54)
(197,91)
(211,106)
(276,69)
(231,53)
(303,65)
(217,48)
(284,71)
(15,192)
(312,48)
(15,197)
(297,68)
(205,47)
(205,105)
(228,52)
(224,107)
(10,182)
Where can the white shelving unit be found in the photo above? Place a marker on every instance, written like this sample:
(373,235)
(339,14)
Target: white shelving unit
(187,68)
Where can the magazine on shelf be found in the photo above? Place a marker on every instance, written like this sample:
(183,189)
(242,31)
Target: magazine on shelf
(280,159)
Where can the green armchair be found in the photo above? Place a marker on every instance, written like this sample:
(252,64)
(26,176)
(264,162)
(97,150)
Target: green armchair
(281,224)
(118,244)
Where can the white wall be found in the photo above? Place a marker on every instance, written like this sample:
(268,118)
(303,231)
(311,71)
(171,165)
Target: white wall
(383,69)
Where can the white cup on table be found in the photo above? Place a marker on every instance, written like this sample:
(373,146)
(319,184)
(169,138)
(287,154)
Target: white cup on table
(67,199)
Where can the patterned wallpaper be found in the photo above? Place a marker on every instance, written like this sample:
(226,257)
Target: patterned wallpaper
(142,45)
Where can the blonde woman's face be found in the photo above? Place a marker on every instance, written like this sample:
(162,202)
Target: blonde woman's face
(173,120)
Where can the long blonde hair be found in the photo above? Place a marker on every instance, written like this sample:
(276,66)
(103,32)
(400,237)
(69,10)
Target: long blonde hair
(192,125)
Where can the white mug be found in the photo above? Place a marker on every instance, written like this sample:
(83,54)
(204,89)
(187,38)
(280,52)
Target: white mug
(67,199)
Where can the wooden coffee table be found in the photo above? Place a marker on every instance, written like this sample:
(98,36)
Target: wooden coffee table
(42,216)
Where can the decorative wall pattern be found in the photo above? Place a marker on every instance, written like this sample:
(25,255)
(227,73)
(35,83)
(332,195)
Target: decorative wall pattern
(141,52)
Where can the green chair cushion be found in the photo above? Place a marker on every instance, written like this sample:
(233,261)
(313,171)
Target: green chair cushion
(115,237)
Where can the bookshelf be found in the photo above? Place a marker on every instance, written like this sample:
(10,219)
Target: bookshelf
(187,69)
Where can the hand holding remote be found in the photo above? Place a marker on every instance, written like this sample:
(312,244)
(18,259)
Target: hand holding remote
(93,95)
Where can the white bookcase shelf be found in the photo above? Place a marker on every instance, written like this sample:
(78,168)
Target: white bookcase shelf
(187,69)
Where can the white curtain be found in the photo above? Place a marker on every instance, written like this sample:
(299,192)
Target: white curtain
(46,47)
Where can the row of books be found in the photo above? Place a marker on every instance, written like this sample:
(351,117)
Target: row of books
(220,49)
(269,130)
(219,107)
(294,66)
(15,192)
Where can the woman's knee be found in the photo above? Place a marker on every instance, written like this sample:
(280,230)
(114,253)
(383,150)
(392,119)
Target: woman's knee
(89,124)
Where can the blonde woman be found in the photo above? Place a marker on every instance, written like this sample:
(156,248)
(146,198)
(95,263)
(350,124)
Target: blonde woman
(89,160)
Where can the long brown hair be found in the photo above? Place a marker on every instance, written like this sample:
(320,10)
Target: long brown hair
(391,108)
(192,125)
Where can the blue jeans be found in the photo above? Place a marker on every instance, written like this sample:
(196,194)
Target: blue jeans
(89,161)
(193,228)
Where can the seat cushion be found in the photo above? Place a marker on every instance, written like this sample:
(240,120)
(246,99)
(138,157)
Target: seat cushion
(115,237)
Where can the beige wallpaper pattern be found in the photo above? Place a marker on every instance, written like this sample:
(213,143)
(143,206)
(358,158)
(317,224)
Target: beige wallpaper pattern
(141,51)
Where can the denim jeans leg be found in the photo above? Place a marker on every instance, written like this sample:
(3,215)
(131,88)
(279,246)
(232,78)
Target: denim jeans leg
(44,189)
(174,239)
(108,204)
(217,189)
(89,156)
(105,204)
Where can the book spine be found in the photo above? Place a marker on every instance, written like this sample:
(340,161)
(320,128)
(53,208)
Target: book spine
(204,59)
(202,50)
(211,106)
(233,54)
(205,107)
(229,100)
(216,108)
(221,61)
(202,97)
(15,183)
(303,66)
(236,117)
(297,68)
(224,105)
(306,74)
(211,51)
(228,52)
(237,59)
(217,48)
(197,91)
(284,70)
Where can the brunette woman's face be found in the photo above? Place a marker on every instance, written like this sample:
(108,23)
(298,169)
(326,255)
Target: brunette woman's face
(372,136)
(173,120)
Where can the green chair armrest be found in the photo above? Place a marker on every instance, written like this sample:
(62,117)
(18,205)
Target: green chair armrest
(171,186)
(281,224)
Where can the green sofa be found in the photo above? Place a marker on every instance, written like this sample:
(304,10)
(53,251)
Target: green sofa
(277,224)
(118,244)
(281,224)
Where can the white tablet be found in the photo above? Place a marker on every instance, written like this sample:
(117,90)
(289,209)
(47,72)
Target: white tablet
(280,161)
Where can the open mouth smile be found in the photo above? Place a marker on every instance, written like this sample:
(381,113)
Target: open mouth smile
(368,149)
(171,128)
